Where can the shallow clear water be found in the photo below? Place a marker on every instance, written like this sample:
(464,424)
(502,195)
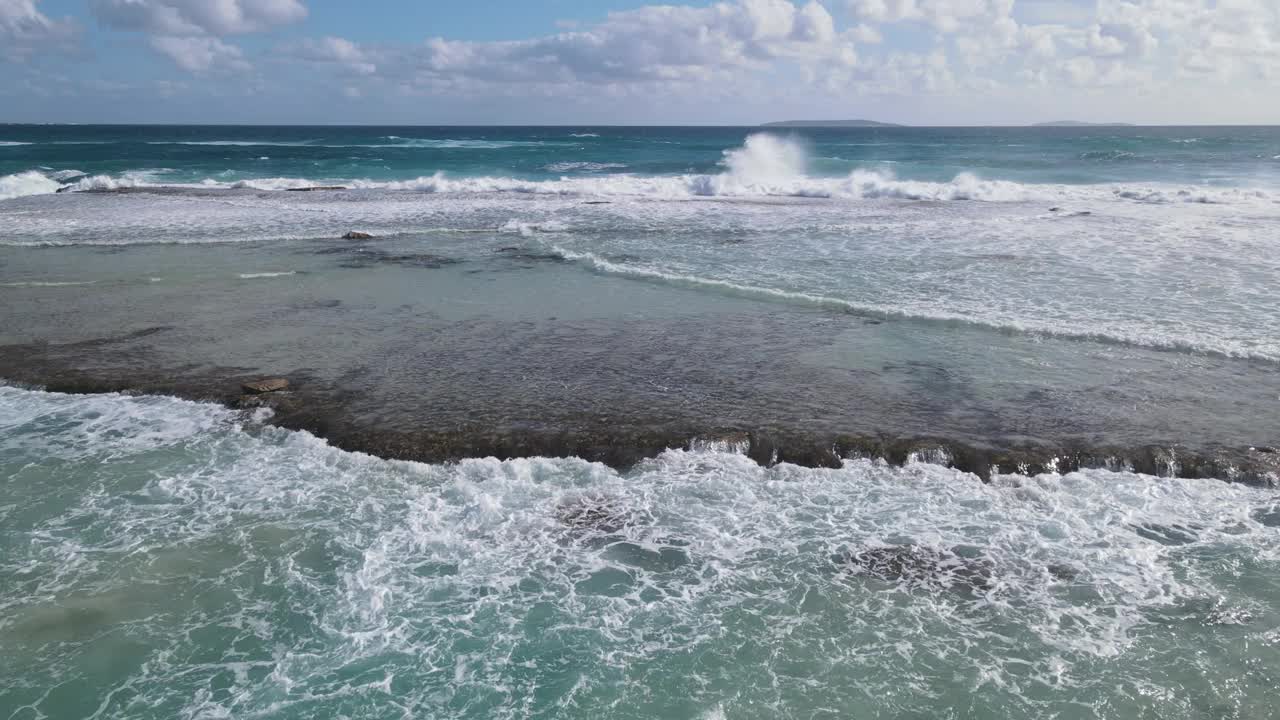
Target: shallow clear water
(1160,237)
(162,558)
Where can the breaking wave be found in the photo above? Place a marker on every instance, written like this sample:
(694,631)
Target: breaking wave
(259,275)
(26,183)
(764,166)
(1219,347)
(858,185)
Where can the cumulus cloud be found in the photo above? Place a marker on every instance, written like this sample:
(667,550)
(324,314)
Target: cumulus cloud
(331,51)
(943,15)
(744,51)
(743,48)
(650,44)
(199,54)
(197,17)
(25,31)
(189,32)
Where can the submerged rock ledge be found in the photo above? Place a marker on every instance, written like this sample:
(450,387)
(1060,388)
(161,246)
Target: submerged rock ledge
(620,445)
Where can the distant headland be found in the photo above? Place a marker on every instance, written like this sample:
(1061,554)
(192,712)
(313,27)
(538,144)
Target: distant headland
(830,123)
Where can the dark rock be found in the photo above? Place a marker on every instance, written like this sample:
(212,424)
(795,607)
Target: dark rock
(64,188)
(594,514)
(1167,534)
(919,566)
(357,235)
(1062,572)
(363,256)
(267,385)
(314,188)
(1054,209)
(518,253)
(596,202)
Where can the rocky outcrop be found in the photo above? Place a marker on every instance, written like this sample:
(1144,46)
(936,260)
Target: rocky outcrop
(266,385)
(357,235)
(919,566)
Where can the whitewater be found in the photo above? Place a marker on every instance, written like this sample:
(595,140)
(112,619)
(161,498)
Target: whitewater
(1069,260)
(233,569)
(639,422)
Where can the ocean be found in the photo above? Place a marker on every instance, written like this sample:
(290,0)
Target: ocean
(610,422)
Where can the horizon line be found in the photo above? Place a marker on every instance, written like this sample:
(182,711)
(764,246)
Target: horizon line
(783,126)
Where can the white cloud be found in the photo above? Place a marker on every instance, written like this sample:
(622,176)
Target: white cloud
(189,32)
(752,53)
(25,31)
(748,51)
(650,44)
(200,54)
(331,52)
(943,15)
(197,17)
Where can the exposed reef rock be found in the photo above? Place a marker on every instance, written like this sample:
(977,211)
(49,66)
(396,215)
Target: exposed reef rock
(268,385)
(595,514)
(338,410)
(363,256)
(916,565)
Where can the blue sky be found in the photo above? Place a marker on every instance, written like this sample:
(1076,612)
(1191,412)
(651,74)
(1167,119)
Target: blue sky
(614,61)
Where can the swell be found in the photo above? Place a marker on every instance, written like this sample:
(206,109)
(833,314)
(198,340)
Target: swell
(857,186)
(397,142)
(649,274)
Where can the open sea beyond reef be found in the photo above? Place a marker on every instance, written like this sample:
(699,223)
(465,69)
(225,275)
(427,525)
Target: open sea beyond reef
(640,422)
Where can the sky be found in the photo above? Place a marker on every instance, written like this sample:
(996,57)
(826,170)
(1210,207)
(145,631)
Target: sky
(919,62)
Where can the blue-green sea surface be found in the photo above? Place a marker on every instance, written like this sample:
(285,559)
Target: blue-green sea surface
(165,559)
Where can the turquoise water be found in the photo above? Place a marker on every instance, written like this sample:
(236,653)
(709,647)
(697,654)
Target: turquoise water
(161,559)
(185,154)
(1153,237)
(167,559)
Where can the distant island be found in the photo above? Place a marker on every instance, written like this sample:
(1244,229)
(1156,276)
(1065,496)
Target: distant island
(830,123)
(1077,123)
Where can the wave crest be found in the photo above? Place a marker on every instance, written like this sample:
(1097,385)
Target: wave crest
(1110,336)
(27,183)
(765,165)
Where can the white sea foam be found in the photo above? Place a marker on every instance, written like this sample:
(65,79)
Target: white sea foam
(231,143)
(254,276)
(44,283)
(442,144)
(570,166)
(26,183)
(527,229)
(584,135)
(765,166)
(12,143)
(1029,324)
(697,582)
